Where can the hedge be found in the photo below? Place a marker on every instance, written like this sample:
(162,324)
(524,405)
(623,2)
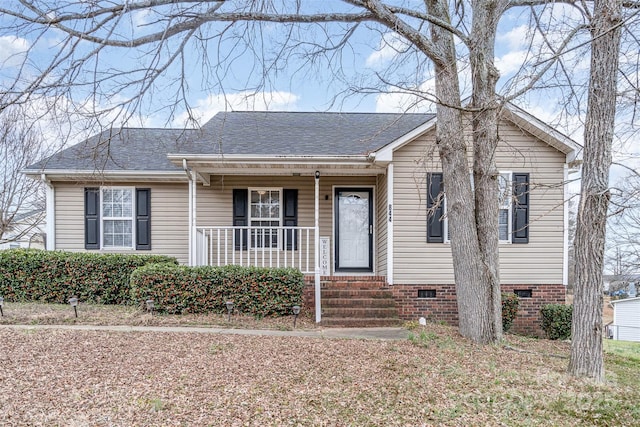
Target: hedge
(254,291)
(556,321)
(55,276)
(510,303)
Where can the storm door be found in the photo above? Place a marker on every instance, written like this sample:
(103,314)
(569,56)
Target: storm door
(354,229)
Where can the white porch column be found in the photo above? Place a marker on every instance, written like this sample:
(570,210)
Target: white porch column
(190,221)
(317,249)
(565,237)
(194,224)
(50,212)
(390,224)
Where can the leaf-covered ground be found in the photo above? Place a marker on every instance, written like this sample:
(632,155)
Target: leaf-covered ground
(90,378)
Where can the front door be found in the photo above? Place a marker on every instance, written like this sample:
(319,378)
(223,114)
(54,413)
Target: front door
(354,229)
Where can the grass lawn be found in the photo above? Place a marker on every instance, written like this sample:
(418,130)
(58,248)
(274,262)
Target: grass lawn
(78,378)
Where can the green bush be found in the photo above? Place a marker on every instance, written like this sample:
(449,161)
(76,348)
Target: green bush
(55,276)
(255,291)
(556,321)
(510,302)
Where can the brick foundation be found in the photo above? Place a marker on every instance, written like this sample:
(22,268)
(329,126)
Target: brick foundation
(444,306)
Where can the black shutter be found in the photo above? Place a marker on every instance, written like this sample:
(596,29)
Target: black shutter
(92,218)
(520,232)
(290,217)
(240,216)
(143,219)
(435,208)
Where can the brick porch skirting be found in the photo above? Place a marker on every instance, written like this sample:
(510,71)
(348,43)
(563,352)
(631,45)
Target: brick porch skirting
(443,306)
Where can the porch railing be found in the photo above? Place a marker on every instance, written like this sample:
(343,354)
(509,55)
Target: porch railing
(272,246)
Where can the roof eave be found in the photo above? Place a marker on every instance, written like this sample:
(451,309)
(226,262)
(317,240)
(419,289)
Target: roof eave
(105,175)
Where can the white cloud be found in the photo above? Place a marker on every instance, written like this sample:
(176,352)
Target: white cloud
(396,101)
(12,50)
(516,38)
(391,44)
(240,101)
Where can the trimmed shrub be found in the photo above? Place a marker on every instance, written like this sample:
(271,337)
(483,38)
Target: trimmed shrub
(556,321)
(254,291)
(510,303)
(55,276)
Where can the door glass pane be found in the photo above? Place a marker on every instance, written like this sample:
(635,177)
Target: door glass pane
(353,229)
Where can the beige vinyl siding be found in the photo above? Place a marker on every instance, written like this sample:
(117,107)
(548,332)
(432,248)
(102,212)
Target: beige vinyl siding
(538,262)
(169,218)
(214,203)
(381,226)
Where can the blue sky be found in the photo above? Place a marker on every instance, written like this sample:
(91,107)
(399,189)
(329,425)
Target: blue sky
(232,77)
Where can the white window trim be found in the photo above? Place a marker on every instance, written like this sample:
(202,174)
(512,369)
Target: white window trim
(250,217)
(445,219)
(133,219)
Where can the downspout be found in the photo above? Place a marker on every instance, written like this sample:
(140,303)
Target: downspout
(186,170)
(318,306)
(50,210)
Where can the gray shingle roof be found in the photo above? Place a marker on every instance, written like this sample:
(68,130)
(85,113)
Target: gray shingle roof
(251,133)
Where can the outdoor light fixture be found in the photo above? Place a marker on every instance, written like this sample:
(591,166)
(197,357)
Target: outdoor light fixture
(1,305)
(74,303)
(229,305)
(149,303)
(296,311)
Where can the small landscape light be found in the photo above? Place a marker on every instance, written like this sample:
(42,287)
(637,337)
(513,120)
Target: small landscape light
(74,303)
(229,305)
(150,304)
(296,311)
(1,305)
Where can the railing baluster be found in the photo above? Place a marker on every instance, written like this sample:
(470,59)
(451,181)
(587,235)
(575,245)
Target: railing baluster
(218,245)
(226,249)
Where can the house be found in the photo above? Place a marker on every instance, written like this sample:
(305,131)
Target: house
(344,197)
(621,284)
(26,231)
(626,320)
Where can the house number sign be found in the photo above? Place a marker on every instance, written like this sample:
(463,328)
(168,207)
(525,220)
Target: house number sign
(324,256)
(390,212)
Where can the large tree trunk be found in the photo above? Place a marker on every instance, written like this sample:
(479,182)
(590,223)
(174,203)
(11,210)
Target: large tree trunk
(486,14)
(586,345)
(474,304)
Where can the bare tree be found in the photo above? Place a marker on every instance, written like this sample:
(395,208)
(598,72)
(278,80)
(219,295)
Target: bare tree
(437,37)
(586,345)
(21,199)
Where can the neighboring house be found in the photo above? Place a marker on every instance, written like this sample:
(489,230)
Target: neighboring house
(352,193)
(616,284)
(26,231)
(626,320)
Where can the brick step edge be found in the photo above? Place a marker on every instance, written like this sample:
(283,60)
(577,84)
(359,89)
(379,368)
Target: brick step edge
(353,322)
(366,312)
(358,302)
(356,293)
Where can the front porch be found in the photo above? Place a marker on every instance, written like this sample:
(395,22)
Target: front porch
(328,222)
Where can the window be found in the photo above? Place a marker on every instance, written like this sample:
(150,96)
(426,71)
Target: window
(117,217)
(513,208)
(504,206)
(264,213)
